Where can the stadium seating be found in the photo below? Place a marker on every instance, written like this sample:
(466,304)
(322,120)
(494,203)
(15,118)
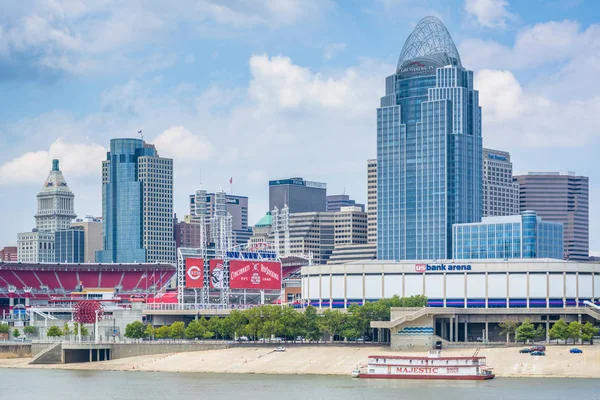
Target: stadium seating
(47,280)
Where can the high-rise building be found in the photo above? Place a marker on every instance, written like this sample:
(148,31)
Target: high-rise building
(335,202)
(560,197)
(311,233)
(55,210)
(55,203)
(236,206)
(429,149)
(508,237)
(500,193)
(350,226)
(137,204)
(69,245)
(9,253)
(372,200)
(92,229)
(299,195)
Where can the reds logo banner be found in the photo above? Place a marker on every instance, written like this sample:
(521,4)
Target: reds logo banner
(194,272)
(217,274)
(254,275)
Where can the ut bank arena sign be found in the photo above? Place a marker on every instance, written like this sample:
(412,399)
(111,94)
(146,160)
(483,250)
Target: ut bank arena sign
(442,267)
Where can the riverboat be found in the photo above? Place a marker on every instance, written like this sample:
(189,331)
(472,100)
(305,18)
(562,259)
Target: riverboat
(434,366)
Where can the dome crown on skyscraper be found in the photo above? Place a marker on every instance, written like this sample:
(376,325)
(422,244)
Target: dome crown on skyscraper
(430,42)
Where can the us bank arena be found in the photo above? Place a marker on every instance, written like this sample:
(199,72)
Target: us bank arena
(466,299)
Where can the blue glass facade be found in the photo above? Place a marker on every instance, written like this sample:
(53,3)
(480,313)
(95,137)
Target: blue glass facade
(517,236)
(69,246)
(429,150)
(122,203)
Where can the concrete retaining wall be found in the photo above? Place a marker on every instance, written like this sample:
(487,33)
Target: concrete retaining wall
(52,354)
(16,350)
(123,350)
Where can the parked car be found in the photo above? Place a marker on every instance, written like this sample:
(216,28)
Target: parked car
(575,350)
(242,339)
(280,348)
(525,350)
(479,339)
(537,353)
(538,348)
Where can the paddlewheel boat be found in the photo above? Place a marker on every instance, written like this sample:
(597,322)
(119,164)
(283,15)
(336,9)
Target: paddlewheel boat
(434,366)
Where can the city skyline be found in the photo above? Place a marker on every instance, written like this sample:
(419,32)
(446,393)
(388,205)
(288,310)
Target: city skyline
(120,104)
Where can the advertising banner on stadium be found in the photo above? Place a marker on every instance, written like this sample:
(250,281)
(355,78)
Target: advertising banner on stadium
(194,273)
(254,275)
(217,274)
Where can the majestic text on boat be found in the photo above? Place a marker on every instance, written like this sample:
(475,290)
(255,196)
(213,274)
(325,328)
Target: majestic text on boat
(432,367)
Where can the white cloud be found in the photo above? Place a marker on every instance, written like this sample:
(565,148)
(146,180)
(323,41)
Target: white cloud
(512,114)
(332,49)
(84,37)
(76,160)
(549,42)
(277,82)
(489,13)
(177,142)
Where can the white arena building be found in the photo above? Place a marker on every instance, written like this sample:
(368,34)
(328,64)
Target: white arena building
(466,299)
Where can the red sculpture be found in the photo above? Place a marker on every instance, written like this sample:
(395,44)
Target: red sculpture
(84,312)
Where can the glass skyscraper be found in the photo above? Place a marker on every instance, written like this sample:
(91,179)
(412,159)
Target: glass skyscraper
(137,204)
(514,236)
(429,149)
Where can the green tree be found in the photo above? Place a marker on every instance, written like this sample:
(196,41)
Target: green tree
(162,332)
(574,331)
(84,329)
(177,330)
(588,331)
(415,301)
(149,331)
(214,326)
(66,330)
(540,333)
(134,330)
(29,330)
(526,331)
(16,333)
(312,327)
(332,321)
(4,328)
(54,331)
(198,330)
(559,331)
(508,327)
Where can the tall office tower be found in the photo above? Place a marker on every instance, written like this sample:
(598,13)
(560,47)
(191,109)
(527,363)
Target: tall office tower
(560,197)
(92,228)
(500,193)
(9,253)
(372,200)
(335,202)
(137,204)
(311,233)
(350,226)
(55,203)
(429,149)
(299,195)
(54,212)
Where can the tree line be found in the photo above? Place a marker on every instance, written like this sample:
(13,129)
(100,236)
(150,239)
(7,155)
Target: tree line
(560,330)
(276,321)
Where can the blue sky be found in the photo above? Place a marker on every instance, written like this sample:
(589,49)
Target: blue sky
(261,90)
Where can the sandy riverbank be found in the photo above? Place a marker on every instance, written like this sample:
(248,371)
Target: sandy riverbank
(507,362)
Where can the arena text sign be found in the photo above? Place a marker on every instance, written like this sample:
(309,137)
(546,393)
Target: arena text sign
(442,267)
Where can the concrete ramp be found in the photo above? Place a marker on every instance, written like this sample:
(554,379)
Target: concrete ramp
(50,355)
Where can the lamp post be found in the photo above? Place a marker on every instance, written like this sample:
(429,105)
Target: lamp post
(96,338)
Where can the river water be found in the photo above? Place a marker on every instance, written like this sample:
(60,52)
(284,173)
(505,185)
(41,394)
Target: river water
(91,385)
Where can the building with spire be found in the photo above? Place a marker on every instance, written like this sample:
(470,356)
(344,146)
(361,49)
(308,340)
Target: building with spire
(55,211)
(137,204)
(429,149)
